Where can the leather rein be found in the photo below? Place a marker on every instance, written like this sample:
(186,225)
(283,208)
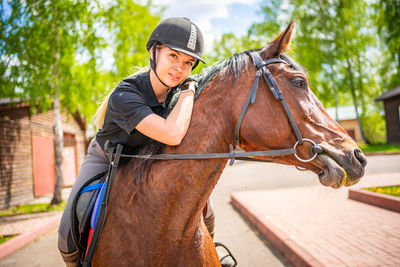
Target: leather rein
(263,71)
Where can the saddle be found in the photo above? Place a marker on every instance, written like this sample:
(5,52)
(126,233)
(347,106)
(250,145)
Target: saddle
(82,209)
(89,208)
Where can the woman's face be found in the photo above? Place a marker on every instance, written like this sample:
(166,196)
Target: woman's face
(173,66)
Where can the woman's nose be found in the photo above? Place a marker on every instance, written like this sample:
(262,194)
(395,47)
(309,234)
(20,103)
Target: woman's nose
(179,66)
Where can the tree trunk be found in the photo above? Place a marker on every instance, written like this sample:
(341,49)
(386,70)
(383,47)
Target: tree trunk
(58,133)
(353,94)
(361,87)
(335,92)
(59,146)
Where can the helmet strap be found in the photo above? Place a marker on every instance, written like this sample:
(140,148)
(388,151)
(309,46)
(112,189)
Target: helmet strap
(195,64)
(153,65)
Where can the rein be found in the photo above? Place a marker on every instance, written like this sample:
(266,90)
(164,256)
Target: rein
(232,155)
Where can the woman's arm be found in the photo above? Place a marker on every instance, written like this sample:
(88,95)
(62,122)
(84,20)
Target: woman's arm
(171,130)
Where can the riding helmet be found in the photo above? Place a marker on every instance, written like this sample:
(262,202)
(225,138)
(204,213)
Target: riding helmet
(179,34)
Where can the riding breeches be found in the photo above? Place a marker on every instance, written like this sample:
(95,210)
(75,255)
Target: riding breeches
(95,162)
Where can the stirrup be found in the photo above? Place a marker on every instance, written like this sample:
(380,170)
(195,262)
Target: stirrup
(225,256)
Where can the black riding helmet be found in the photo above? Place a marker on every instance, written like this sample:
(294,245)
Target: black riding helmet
(179,34)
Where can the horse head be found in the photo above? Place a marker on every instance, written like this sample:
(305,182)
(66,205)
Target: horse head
(266,125)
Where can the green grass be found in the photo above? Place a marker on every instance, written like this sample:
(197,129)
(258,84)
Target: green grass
(33,208)
(388,190)
(6,238)
(380,148)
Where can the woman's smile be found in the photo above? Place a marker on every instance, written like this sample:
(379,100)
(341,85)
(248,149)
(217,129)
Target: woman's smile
(175,78)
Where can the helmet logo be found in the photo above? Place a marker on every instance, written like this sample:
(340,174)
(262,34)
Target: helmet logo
(192,39)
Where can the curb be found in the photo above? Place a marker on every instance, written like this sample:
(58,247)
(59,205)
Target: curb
(382,153)
(380,200)
(292,251)
(26,238)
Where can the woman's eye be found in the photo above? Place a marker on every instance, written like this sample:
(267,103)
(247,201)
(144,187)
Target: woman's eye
(298,82)
(189,63)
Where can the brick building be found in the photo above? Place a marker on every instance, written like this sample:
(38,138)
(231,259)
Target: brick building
(27,152)
(348,119)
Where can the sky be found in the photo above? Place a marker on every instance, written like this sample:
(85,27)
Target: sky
(215,17)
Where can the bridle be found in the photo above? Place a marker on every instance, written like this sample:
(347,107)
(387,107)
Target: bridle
(262,69)
(232,155)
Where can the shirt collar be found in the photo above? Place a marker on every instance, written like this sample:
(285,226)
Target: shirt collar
(149,92)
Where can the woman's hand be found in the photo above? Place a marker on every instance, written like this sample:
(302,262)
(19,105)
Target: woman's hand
(189,86)
(173,129)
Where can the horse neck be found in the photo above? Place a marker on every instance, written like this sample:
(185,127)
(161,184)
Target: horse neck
(210,131)
(211,127)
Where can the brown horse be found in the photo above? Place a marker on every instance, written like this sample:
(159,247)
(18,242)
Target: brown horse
(155,220)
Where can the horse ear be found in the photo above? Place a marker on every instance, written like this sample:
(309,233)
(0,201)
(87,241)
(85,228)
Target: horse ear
(280,44)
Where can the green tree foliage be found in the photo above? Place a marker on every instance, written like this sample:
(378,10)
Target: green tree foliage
(336,41)
(387,18)
(273,13)
(258,35)
(40,42)
(129,27)
(228,45)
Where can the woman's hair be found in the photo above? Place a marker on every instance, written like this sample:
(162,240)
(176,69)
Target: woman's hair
(98,118)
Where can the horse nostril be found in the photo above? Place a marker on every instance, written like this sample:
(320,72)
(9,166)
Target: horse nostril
(360,157)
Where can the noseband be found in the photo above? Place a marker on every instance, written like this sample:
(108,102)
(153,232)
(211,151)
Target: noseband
(232,155)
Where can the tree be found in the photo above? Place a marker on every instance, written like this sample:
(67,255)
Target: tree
(39,45)
(353,39)
(387,19)
(333,42)
(228,45)
(273,13)
(129,25)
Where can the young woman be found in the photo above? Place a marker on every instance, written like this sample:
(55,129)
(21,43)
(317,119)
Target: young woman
(135,111)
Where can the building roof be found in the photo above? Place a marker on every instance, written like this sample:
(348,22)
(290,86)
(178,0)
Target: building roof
(15,102)
(392,93)
(8,100)
(344,113)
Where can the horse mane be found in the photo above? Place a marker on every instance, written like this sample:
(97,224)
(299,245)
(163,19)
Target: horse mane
(233,65)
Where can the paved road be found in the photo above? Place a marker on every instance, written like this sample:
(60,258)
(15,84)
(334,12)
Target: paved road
(235,232)
(231,229)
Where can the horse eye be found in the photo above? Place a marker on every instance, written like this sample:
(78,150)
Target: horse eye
(298,82)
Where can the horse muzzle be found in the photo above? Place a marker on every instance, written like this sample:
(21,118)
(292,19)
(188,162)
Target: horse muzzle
(340,167)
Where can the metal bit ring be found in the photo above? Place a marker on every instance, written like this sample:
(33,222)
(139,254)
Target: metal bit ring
(305,160)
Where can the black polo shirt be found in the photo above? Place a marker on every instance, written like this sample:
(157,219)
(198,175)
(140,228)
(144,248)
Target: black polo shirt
(131,101)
